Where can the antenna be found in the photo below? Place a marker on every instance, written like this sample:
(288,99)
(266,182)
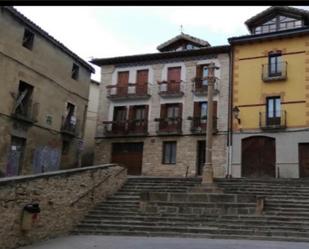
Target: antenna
(181,29)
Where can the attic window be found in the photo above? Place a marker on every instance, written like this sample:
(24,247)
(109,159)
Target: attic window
(75,71)
(28,39)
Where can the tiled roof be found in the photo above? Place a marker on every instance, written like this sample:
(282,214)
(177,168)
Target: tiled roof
(193,39)
(47,36)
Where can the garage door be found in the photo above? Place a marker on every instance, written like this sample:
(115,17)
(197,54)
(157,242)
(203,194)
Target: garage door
(129,155)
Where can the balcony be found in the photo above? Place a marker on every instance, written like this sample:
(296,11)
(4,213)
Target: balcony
(27,113)
(125,128)
(171,89)
(199,124)
(274,72)
(69,126)
(200,89)
(273,123)
(131,91)
(169,126)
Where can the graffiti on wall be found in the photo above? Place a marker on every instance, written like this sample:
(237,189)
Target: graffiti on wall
(46,159)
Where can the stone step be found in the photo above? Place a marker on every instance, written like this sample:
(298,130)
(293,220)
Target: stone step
(204,229)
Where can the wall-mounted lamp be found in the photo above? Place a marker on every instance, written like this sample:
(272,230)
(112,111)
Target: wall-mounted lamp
(236,112)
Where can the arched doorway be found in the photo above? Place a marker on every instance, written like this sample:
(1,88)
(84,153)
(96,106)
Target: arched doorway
(258,157)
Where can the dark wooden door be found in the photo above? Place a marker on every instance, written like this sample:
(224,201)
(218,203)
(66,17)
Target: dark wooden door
(201,157)
(141,82)
(258,157)
(122,83)
(129,155)
(303,160)
(173,78)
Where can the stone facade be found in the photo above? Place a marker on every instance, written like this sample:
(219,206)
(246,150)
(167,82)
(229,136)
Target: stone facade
(63,196)
(186,155)
(46,68)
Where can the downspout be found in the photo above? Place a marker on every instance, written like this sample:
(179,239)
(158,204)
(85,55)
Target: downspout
(230,114)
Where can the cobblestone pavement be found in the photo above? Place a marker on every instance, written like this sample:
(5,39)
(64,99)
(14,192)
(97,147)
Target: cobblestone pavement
(130,242)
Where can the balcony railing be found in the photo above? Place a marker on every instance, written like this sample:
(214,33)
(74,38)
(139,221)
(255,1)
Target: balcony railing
(69,125)
(274,71)
(278,121)
(199,124)
(26,113)
(200,86)
(171,88)
(167,126)
(138,127)
(131,91)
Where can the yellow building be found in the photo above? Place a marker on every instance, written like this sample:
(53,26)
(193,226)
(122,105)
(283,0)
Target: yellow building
(270,96)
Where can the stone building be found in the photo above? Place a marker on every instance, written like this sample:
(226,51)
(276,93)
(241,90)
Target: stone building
(152,109)
(91,124)
(44,96)
(271,95)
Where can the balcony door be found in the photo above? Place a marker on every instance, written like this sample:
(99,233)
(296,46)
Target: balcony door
(141,82)
(273,111)
(122,83)
(173,78)
(274,64)
(119,119)
(138,116)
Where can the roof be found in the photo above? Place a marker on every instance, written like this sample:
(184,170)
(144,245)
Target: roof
(47,36)
(184,36)
(269,36)
(162,55)
(290,11)
(95,82)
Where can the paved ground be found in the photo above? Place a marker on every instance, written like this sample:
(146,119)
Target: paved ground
(123,242)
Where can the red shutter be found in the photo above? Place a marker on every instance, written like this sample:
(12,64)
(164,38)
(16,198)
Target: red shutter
(131,113)
(146,111)
(163,111)
(173,74)
(199,71)
(197,109)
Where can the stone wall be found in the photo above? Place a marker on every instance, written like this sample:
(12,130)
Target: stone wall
(64,198)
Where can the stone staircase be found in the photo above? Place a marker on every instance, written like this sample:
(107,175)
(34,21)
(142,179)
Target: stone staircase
(286,214)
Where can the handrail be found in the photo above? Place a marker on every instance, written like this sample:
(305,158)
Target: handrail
(93,187)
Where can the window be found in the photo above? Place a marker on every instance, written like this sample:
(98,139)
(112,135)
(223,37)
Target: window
(274,64)
(273,107)
(169,153)
(205,74)
(173,113)
(75,71)
(23,100)
(120,114)
(28,39)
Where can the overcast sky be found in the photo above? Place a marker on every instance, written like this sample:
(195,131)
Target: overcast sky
(98,32)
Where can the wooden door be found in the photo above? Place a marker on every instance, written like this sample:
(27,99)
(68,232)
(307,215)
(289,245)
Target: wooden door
(122,83)
(173,78)
(141,82)
(258,157)
(303,150)
(119,119)
(201,157)
(129,155)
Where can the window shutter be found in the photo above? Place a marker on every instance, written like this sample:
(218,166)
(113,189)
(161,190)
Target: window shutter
(196,109)
(146,111)
(199,71)
(163,111)
(131,112)
(180,110)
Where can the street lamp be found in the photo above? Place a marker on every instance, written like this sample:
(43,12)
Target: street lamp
(208,173)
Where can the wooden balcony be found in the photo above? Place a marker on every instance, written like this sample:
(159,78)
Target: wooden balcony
(274,72)
(272,123)
(200,88)
(131,91)
(171,88)
(125,128)
(169,126)
(199,124)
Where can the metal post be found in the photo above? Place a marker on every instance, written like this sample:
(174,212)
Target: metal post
(208,173)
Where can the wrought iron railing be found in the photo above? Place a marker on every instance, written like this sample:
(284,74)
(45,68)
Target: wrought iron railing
(199,124)
(276,120)
(200,85)
(69,125)
(170,88)
(125,127)
(274,71)
(131,90)
(169,125)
